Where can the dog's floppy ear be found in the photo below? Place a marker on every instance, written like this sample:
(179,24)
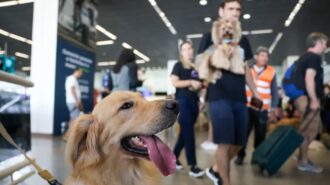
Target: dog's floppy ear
(216,32)
(83,147)
(238,30)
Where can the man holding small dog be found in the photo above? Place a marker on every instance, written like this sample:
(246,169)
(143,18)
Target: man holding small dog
(264,77)
(227,101)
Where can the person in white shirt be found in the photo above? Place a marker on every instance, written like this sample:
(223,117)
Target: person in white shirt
(73,94)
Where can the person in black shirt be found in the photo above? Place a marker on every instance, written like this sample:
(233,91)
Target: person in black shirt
(309,77)
(185,79)
(227,103)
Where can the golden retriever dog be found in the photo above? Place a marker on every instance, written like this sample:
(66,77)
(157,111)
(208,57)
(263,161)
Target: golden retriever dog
(116,143)
(225,54)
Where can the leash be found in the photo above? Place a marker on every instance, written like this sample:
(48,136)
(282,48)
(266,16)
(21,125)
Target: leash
(45,174)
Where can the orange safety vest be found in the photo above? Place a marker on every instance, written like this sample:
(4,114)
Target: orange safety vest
(263,84)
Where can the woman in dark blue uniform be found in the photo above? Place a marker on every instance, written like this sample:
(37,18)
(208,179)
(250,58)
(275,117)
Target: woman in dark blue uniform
(185,79)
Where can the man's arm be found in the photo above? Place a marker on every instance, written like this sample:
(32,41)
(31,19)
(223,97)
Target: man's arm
(310,88)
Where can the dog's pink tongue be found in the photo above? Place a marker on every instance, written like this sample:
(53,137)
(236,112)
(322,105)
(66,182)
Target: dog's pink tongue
(160,154)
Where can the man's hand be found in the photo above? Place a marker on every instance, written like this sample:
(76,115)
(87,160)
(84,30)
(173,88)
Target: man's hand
(314,105)
(196,84)
(79,105)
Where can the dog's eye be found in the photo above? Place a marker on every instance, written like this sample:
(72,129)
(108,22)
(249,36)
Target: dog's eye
(127,105)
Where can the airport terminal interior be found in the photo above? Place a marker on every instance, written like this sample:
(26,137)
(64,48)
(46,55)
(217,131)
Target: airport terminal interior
(168,92)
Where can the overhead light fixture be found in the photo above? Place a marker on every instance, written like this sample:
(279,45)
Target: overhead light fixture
(203,2)
(246,16)
(194,36)
(257,32)
(207,19)
(8,3)
(294,12)
(22,55)
(105,32)
(274,44)
(26,68)
(25,1)
(141,55)
(140,61)
(162,15)
(127,46)
(13,3)
(3,32)
(152,2)
(14,36)
(106,63)
(104,42)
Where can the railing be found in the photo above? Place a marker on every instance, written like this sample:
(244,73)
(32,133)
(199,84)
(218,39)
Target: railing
(6,77)
(10,169)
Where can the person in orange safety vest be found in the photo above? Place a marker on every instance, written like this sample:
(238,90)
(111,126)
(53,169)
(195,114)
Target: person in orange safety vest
(264,77)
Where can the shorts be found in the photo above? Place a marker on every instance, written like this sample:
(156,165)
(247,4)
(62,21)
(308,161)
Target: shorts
(229,121)
(73,110)
(310,123)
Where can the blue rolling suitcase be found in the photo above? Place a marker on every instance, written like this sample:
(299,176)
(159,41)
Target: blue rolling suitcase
(272,153)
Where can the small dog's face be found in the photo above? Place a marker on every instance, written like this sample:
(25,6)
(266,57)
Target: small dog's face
(125,123)
(226,31)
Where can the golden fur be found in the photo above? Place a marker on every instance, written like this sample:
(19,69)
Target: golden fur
(94,149)
(222,55)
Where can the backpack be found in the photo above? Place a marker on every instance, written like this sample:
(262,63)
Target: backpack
(290,84)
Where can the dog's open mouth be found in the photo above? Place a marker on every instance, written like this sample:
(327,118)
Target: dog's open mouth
(152,148)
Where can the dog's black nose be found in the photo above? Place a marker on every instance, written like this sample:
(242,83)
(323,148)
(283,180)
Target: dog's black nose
(172,106)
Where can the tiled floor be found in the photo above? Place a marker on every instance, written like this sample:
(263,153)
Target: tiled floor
(49,153)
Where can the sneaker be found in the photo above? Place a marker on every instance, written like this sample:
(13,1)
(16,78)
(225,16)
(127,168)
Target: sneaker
(178,165)
(206,145)
(309,167)
(196,172)
(213,176)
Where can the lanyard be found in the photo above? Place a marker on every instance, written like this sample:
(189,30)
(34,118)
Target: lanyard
(45,174)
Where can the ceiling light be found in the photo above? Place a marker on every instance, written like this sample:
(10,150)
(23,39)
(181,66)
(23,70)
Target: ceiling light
(294,12)
(25,1)
(274,44)
(11,35)
(247,16)
(14,36)
(13,3)
(22,55)
(194,36)
(105,32)
(207,19)
(264,31)
(127,46)
(106,63)
(104,42)
(203,2)
(29,41)
(26,68)
(140,61)
(8,3)
(245,32)
(163,17)
(3,32)
(153,2)
(141,55)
